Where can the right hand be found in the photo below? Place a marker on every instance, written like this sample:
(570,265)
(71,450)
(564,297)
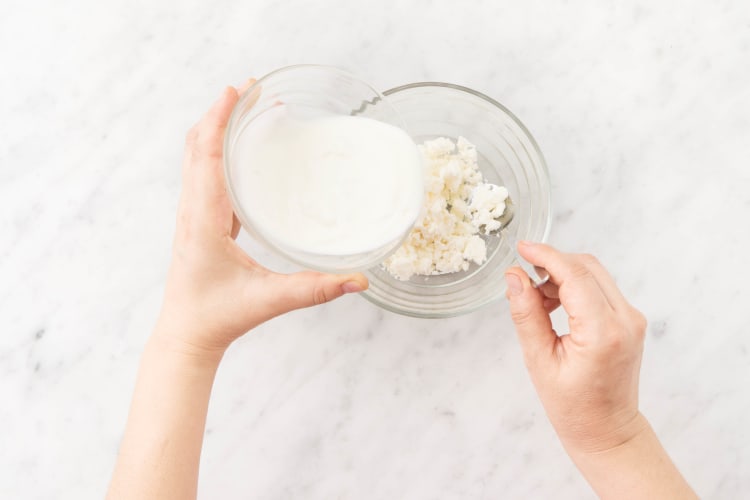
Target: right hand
(587,380)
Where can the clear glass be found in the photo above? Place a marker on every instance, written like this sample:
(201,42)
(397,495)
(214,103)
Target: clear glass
(509,156)
(316,90)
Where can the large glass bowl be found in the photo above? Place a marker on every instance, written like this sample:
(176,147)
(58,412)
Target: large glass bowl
(509,156)
(311,90)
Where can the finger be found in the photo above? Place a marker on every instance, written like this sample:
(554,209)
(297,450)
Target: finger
(550,290)
(605,282)
(205,144)
(533,325)
(209,137)
(204,190)
(236,226)
(603,279)
(308,288)
(580,293)
(243,88)
(249,94)
(551,305)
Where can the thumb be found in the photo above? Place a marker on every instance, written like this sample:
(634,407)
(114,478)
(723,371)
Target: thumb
(309,288)
(533,325)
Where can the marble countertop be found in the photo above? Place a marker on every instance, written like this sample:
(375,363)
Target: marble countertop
(642,110)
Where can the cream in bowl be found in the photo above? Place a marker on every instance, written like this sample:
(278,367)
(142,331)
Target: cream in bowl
(321,170)
(330,184)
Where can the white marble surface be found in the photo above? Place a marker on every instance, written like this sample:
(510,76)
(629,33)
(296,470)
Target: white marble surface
(641,108)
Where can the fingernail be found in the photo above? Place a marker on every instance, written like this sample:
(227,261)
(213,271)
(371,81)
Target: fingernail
(351,287)
(515,287)
(246,85)
(526,243)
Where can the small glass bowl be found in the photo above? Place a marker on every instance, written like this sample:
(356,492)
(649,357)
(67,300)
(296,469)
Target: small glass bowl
(313,90)
(507,155)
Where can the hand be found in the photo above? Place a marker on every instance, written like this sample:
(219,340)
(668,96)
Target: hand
(215,292)
(587,380)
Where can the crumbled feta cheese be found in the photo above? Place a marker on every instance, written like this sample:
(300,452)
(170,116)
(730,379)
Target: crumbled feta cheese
(487,204)
(457,204)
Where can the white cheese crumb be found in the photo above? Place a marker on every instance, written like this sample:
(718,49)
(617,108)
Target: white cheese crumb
(457,204)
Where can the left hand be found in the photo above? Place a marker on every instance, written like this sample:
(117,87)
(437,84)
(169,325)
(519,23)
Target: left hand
(215,292)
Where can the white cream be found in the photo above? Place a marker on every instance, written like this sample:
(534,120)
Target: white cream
(332,185)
